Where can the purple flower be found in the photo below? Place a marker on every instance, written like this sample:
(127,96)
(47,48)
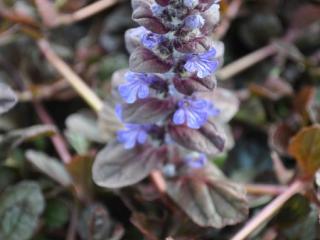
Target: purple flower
(151,40)
(137,86)
(132,135)
(194,112)
(203,64)
(118,111)
(194,21)
(196,160)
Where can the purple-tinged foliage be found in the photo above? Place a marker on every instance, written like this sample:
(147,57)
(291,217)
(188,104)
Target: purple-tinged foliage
(144,60)
(171,117)
(207,139)
(193,84)
(174,47)
(150,110)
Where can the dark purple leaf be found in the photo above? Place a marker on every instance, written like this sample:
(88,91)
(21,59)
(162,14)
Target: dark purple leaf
(143,60)
(208,198)
(142,14)
(193,84)
(150,110)
(116,167)
(162,2)
(206,139)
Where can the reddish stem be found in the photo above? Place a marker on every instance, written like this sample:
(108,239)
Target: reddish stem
(268,211)
(258,189)
(57,140)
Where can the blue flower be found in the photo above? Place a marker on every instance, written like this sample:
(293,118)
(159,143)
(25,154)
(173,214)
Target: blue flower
(194,112)
(194,21)
(151,40)
(133,134)
(195,160)
(137,86)
(203,64)
(118,111)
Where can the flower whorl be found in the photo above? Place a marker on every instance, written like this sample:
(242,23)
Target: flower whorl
(172,65)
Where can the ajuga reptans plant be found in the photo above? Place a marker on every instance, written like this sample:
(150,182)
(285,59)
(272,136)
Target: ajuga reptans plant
(173,116)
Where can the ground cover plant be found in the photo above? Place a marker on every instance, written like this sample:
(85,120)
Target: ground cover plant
(159,119)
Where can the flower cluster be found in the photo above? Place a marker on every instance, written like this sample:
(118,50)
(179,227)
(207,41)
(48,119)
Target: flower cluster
(172,65)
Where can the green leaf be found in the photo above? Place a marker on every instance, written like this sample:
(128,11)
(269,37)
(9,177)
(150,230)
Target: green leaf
(252,111)
(7,98)
(50,166)
(208,198)
(79,143)
(96,224)
(16,137)
(297,208)
(7,177)
(117,167)
(305,148)
(84,124)
(56,214)
(298,219)
(20,207)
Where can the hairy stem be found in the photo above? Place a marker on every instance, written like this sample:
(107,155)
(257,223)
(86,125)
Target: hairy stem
(269,210)
(87,94)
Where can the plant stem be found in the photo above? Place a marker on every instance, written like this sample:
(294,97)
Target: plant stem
(262,189)
(245,62)
(231,13)
(268,211)
(57,140)
(75,81)
(88,95)
(85,12)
